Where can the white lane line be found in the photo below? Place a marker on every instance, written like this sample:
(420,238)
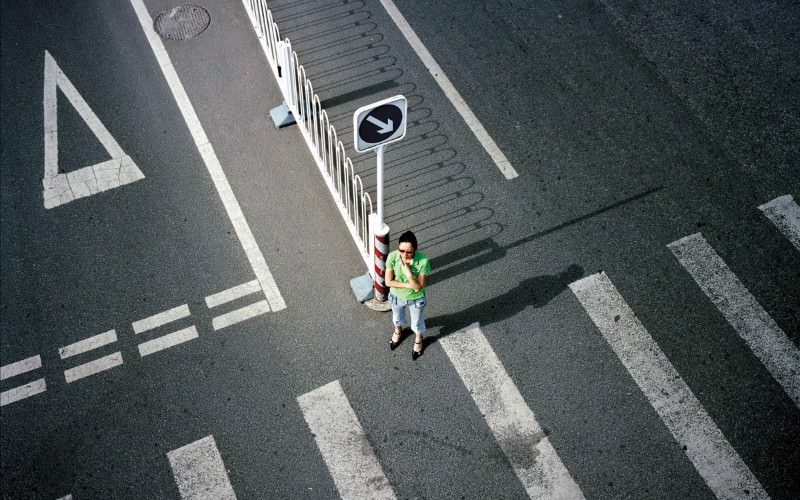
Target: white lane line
(167,341)
(22,392)
(200,472)
(20,367)
(240,315)
(764,337)
(89,344)
(92,367)
(704,444)
(232,294)
(784,212)
(160,319)
(450,91)
(248,242)
(340,438)
(510,419)
(67,497)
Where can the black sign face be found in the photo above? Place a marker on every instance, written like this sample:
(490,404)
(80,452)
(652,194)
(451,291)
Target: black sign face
(380,123)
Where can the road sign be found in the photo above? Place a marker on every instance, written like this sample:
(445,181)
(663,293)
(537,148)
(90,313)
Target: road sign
(379,123)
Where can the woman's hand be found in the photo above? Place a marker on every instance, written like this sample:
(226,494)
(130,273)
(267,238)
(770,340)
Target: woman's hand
(407,270)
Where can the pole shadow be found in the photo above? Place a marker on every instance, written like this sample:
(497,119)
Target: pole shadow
(536,292)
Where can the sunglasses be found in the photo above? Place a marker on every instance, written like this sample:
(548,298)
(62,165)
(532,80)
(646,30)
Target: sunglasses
(405,251)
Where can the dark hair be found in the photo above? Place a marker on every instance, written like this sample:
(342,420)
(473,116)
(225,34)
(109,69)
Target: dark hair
(408,237)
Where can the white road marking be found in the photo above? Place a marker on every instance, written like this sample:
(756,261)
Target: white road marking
(785,214)
(20,367)
(245,235)
(60,188)
(240,315)
(704,444)
(93,367)
(161,319)
(167,341)
(450,91)
(200,472)
(89,344)
(347,453)
(764,337)
(22,392)
(232,294)
(510,419)
(67,497)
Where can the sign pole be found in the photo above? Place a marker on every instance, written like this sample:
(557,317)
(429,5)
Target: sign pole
(381,245)
(380,186)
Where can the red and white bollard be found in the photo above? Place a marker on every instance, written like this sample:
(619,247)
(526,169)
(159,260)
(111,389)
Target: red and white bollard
(380,252)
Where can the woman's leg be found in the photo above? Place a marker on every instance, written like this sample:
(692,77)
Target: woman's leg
(398,318)
(417,310)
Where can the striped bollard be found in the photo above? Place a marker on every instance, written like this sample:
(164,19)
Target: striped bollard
(381,253)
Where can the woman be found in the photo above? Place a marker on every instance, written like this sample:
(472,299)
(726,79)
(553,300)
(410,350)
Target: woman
(406,274)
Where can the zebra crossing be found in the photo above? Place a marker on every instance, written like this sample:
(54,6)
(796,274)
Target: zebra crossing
(199,470)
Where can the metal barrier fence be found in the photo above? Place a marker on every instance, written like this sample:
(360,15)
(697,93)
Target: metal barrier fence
(347,189)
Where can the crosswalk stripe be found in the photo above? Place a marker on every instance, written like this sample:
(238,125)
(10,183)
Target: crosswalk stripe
(704,444)
(161,319)
(93,367)
(784,212)
(87,345)
(20,367)
(752,323)
(232,294)
(512,422)
(200,472)
(340,438)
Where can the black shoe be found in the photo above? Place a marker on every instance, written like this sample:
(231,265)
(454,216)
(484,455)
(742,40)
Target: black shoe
(416,354)
(393,345)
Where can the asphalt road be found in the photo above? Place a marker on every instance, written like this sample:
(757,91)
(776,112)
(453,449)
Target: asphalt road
(631,126)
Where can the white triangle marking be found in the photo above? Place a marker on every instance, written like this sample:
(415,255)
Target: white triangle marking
(63,188)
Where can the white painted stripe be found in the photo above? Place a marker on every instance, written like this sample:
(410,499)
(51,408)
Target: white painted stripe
(450,91)
(200,472)
(341,440)
(86,345)
(20,367)
(161,319)
(232,294)
(704,444)
(92,367)
(67,497)
(510,419)
(248,242)
(750,321)
(22,392)
(240,315)
(167,341)
(784,212)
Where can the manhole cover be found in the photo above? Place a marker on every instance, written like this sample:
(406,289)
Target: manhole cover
(182,22)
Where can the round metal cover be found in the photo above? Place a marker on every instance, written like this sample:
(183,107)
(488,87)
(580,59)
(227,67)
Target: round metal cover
(182,22)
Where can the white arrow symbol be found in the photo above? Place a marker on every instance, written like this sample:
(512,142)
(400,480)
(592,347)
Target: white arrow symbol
(385,128)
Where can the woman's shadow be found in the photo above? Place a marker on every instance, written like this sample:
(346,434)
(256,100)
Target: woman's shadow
(536,292)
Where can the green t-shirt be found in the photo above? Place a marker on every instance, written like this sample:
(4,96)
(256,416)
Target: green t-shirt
(419,265)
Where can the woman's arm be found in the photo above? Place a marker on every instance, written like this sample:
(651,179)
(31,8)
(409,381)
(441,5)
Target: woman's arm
(391,281)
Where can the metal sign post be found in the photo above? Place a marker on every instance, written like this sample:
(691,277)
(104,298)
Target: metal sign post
(375,126)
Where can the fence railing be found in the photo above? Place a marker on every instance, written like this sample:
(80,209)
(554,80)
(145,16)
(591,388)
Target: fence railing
(345,186)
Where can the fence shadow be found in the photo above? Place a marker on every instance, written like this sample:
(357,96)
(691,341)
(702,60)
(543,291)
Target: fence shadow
(350,64)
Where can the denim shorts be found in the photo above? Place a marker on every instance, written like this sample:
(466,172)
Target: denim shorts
(417,309)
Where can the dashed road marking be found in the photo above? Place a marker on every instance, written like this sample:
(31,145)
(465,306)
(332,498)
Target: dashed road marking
(20,367)
(510,419)
(340,438)
(232,294)
(87,345)
(26,390)
(234,211)
(785,214)
(704,444)
(161,319)
(200,472)
(750,321)
(93,367)
(22,392)
(167,341)
(240,315)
